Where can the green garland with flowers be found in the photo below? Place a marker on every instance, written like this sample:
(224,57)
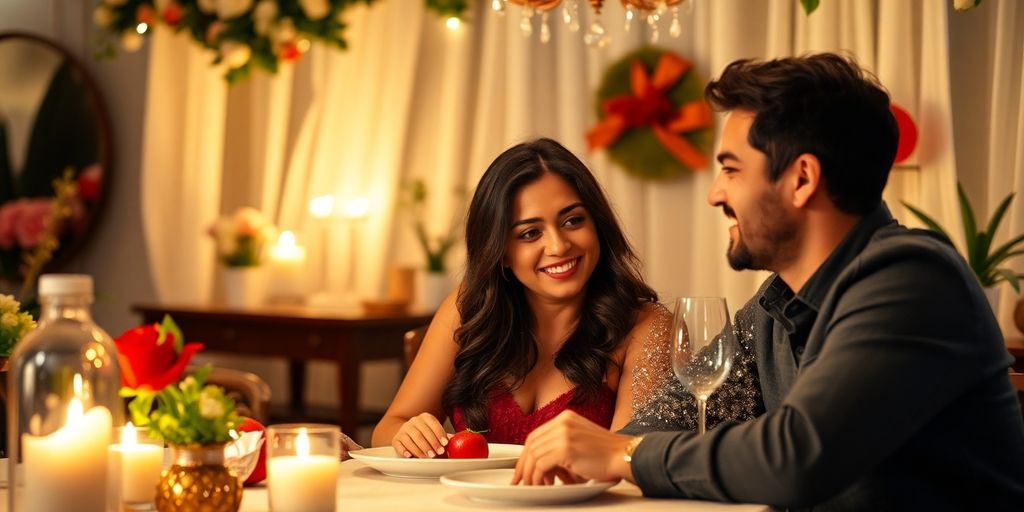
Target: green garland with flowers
(245,34)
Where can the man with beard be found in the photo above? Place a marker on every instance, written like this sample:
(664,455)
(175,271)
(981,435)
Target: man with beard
(882,369)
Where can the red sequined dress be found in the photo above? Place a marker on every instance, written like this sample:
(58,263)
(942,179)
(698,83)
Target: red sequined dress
(509,424)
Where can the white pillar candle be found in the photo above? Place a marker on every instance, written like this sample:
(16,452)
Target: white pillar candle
(287,268)
(136,467)
(302,482)
(66,470)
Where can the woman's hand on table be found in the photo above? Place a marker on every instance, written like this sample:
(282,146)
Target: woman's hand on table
(572,448)
(422,436)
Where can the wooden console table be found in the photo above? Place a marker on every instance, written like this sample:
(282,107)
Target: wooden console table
(298,334)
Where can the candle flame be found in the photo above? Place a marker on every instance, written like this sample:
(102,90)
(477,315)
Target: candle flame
(286,239)
(128,435)
(302,443)
(75,411)
(77,384)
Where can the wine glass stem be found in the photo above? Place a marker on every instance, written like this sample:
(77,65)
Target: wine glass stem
(701,410)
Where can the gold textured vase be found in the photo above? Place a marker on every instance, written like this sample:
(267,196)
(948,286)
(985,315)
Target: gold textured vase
(198,481)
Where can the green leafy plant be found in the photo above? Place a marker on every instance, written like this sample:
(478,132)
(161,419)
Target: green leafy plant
(435,247)
(191,412)
(983,259)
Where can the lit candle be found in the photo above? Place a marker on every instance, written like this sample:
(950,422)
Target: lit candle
(287,268)
(302,481)
(66,470)
(136,466)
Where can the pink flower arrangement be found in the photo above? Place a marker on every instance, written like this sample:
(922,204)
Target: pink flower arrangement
(23,222)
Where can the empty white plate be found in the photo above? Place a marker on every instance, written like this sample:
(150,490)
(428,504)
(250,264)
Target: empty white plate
(493,485)
(385,460)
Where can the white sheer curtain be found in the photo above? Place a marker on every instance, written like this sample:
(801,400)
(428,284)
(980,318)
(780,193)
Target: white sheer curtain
(1006,135)
(182,153)
(411,99)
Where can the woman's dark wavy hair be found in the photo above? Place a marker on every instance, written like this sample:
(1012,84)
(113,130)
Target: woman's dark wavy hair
(825,105)
(496,342)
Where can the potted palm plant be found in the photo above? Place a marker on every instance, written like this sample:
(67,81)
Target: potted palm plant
(988,263)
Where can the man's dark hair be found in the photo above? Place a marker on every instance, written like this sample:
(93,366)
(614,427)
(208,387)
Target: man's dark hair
(825,105)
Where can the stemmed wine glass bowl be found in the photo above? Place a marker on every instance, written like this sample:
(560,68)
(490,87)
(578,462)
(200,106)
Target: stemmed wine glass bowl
(703,347)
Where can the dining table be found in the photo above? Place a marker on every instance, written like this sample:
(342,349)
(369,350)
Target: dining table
(361,488)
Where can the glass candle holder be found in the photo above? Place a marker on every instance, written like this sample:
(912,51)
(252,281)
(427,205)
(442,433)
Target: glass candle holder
(302,467)
(135,463)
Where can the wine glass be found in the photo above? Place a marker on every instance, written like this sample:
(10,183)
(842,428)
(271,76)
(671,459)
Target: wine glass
(703,346)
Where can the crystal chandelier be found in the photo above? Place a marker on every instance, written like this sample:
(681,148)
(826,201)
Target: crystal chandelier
(653,11)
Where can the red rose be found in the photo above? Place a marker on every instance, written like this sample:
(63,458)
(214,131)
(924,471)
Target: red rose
(147,365)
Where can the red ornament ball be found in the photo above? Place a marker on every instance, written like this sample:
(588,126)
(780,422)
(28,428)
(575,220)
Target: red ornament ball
(908,133)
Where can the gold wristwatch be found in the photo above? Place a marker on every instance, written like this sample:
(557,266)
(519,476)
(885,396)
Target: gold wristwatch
(630,447)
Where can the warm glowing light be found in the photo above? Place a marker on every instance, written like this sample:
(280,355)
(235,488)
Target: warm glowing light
(321,207)
(77,384)
(75,411)
(286,239)
(357,208)
(453,23)
(302,45)
(141,28)
(128,435)
(302,443)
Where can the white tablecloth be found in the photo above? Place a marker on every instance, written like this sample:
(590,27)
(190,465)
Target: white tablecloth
(363,489)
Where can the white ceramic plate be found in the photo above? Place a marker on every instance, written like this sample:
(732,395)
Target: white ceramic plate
(492,486)
(385,460)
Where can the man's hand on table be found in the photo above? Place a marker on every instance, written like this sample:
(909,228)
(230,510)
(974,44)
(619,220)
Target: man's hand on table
(574,449)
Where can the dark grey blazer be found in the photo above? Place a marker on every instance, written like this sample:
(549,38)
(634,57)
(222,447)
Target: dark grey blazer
(885,385)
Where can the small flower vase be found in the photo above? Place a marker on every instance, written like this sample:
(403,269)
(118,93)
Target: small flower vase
(198,481)
(244,287)
(431,289)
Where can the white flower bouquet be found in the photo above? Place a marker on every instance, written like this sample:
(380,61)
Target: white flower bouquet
(242,237)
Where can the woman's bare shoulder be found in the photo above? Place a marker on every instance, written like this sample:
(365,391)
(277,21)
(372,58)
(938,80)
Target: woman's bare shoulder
(649,314)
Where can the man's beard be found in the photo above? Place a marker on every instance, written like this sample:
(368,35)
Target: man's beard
(774,241)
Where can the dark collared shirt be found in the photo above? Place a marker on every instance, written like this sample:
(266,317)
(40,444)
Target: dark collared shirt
(885,384)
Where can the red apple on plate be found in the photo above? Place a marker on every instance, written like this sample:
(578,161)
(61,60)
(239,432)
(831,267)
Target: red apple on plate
(467,445)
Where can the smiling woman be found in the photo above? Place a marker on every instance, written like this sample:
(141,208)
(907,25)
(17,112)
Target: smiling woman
(53,128)
(551,316)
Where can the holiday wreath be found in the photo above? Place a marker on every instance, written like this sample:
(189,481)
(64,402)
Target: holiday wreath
(653,119)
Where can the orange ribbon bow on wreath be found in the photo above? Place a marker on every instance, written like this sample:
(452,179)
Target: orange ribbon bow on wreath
(649,105)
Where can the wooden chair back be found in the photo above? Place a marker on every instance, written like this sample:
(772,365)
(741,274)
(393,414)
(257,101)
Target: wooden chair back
(250,392)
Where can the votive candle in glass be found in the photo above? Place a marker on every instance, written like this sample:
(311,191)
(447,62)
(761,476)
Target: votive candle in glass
(135,465)
(302,467)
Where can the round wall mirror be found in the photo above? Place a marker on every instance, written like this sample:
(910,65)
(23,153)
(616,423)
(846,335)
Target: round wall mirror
(55,156)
